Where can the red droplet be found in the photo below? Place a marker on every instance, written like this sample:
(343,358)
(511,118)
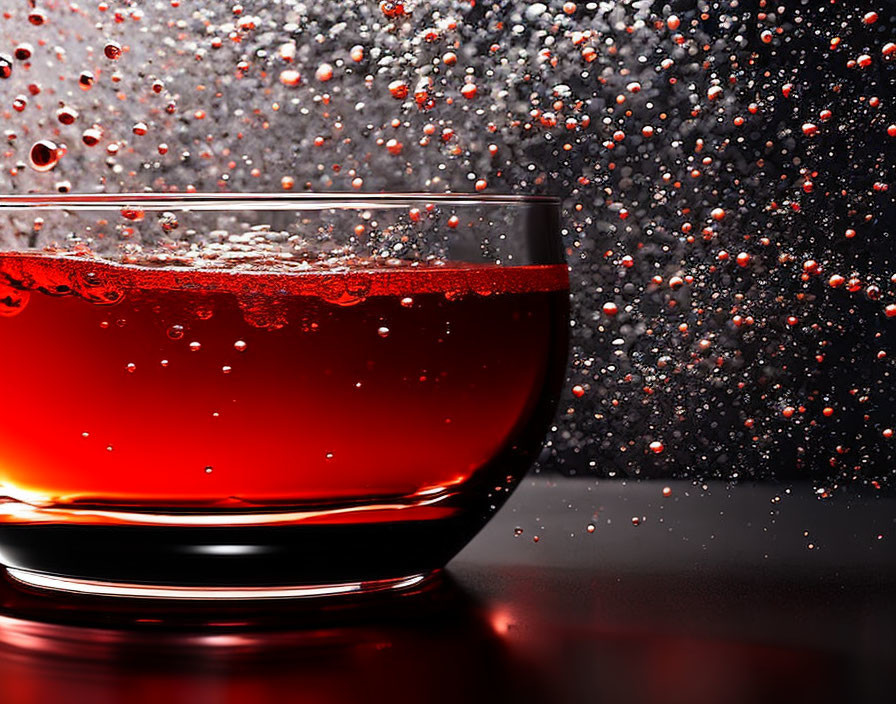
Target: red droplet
(398,89)
(5,65)
(112,50)
(391,9)
(44,155)
(91,136)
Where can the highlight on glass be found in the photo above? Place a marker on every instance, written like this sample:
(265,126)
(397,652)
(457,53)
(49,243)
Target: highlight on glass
(268,395)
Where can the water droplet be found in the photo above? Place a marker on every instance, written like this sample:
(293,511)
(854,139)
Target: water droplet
(290,77)
(168,221)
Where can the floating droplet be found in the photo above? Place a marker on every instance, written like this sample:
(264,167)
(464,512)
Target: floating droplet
(168,221)
(112,50)
(66,115)
(86,80)
(91,136)
(44,155)
(5,65)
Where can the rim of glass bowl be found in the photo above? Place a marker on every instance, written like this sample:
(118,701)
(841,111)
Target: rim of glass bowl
(261,201)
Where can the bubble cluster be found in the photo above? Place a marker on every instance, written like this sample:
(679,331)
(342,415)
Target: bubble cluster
(725,170)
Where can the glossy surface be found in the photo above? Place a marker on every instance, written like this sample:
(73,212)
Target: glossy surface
(712,604)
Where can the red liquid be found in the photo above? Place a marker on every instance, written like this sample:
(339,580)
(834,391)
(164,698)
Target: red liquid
(372,397)
(417,386)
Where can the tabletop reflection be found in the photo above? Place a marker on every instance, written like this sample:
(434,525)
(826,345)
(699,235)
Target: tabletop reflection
(436,645)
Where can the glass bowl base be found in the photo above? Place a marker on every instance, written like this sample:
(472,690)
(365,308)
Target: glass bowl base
(289,560)
(73,585)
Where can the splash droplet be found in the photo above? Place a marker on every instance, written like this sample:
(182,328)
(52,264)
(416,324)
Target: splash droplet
(44,155)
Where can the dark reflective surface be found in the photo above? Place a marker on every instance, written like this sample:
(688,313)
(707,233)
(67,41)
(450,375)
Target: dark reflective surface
(435,644)
(686,609)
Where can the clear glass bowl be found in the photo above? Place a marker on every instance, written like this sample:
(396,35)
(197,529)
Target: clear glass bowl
(266,395)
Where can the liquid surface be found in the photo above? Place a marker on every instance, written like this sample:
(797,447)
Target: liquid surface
(130,386)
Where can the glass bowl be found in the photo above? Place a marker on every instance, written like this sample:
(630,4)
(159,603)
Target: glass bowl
(226,396)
